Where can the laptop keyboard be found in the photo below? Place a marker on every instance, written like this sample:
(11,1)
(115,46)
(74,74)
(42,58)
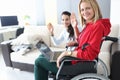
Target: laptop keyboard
(56,55)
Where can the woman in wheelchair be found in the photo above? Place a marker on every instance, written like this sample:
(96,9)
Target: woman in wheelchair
(42,65)
(89,39)
(95,28)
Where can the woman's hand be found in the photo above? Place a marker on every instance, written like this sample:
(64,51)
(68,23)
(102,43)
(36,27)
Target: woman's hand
(60,57)
(50,28)
(73,20)
(66,53)
(71,43)
(74,24)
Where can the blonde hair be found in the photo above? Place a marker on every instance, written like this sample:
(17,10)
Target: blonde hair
(95,7)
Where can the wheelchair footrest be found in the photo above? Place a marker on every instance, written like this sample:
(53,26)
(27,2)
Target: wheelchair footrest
(52,75)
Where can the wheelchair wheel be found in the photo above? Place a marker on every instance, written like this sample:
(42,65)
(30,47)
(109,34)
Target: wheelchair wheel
(104,67)
(90,76)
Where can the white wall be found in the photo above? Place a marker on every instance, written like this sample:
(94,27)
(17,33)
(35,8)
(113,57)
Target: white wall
(40,12)
(115,12)
(19,8)
(72,6)
(36,9)
(105,7)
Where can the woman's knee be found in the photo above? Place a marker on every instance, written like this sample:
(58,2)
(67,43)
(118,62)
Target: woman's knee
(40,60)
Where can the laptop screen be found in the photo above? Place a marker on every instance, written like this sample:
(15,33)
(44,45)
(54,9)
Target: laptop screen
(44,49)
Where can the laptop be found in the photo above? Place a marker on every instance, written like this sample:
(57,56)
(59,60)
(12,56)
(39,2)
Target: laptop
(47,52)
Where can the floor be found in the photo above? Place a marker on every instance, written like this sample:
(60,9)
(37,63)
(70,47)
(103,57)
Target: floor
(7,73)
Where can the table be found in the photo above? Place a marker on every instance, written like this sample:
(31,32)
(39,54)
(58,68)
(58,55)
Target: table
(8,32)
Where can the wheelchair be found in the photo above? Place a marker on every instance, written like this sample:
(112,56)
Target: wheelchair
(83,69)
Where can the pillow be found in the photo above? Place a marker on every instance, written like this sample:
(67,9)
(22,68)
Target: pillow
(34,39)
(26,39)
(25,43)
(22,39)
(39,30)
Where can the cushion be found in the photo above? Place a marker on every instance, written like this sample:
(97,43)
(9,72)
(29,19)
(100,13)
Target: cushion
(25,43)
(26,39)
(105,57)
(40,30)
(26,58)
(114,30)
(31,56)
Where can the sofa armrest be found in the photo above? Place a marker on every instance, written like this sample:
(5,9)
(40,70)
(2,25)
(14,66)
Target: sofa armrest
(6,50)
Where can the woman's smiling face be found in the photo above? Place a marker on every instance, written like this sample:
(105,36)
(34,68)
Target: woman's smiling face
(66,20)
(87,11)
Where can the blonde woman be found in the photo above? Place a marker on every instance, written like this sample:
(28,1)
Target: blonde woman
(90,38)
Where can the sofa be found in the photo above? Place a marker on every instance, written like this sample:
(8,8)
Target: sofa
(25,61)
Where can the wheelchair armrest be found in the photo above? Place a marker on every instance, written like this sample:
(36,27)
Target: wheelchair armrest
(114,39)
(69,58)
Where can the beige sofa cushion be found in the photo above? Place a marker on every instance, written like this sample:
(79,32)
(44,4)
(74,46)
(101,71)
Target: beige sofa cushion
(30,56)
(26,39)
(115,30)
(105,55)
(39,30)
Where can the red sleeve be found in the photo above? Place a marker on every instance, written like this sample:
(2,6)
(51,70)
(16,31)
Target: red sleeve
(91,51)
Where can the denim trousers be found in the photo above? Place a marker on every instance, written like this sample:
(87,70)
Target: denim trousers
(42,66)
